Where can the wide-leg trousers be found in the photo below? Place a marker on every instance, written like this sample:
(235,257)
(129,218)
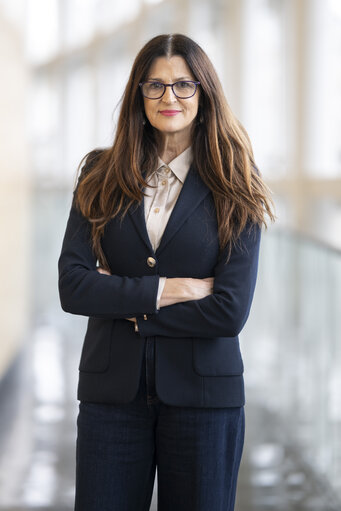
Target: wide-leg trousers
(197,452)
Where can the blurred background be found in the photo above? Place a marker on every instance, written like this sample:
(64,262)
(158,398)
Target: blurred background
(64,66)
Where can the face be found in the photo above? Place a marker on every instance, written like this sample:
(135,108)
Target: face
(169,114)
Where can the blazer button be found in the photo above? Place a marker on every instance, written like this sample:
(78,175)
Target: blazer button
(151,262)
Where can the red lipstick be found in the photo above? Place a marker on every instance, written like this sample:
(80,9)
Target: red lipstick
(169,113)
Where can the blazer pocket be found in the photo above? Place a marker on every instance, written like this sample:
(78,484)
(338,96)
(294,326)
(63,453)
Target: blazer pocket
(95,355)
(218,356)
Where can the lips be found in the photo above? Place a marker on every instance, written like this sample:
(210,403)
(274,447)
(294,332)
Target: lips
(170,113)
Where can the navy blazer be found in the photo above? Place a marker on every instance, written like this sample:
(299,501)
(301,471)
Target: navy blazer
(197,357)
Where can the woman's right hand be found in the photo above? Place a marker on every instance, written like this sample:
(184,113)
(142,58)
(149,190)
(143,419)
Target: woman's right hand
(185,289)
(103,271)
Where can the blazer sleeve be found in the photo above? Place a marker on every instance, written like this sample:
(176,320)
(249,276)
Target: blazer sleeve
(225,311)
(84,291)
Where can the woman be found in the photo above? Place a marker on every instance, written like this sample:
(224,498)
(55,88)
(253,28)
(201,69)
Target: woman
(161,252)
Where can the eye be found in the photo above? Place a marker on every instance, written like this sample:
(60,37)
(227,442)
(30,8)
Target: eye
(184,85)
(155,85)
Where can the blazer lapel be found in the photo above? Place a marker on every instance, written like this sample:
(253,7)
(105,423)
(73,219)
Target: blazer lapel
(192,193)
(137,215)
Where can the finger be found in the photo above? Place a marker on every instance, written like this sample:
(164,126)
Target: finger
(103,271)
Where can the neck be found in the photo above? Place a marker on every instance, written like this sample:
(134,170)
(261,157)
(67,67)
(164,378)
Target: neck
(171,145)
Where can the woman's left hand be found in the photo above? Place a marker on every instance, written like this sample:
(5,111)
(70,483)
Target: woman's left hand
(102,271)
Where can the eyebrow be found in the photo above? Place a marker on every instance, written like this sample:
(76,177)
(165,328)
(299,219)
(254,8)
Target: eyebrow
(176,79)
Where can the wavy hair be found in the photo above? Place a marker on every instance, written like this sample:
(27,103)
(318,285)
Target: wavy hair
(112,179)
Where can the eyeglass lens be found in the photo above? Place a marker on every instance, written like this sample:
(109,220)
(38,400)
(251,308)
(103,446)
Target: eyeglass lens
(155,90)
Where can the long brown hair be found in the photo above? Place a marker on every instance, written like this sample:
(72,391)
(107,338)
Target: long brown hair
(112,180)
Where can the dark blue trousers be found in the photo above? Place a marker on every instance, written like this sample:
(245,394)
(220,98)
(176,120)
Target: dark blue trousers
(197,452)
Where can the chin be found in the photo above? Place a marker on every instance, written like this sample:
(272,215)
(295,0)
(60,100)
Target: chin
(170,125)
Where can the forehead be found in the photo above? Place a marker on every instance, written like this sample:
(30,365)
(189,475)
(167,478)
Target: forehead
(171,68)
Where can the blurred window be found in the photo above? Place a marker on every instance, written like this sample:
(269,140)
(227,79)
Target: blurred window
(42,30)
(263,84)
(80,125)
(110,15)
(323,150)
(44,126)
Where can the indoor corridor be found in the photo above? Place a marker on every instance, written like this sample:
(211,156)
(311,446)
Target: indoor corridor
(65,65)
(37,444)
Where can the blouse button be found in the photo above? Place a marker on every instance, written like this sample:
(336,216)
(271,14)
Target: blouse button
(156,210)
(163,182)
(151,262)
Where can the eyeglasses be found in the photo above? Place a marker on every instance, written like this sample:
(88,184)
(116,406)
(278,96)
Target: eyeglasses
(182,90)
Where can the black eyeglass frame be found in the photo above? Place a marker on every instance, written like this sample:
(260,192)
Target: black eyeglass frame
(170,85)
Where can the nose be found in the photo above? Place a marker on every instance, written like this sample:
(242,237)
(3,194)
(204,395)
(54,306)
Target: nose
(169,96)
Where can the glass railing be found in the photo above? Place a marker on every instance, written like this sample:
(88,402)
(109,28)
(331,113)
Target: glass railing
(292,347)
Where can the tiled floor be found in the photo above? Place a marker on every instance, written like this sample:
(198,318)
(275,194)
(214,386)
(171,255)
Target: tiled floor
(37,440)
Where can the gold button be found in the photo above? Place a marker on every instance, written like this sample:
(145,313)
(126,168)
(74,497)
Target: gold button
(167,169)
(156,210)
(164,182)
(151,262)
